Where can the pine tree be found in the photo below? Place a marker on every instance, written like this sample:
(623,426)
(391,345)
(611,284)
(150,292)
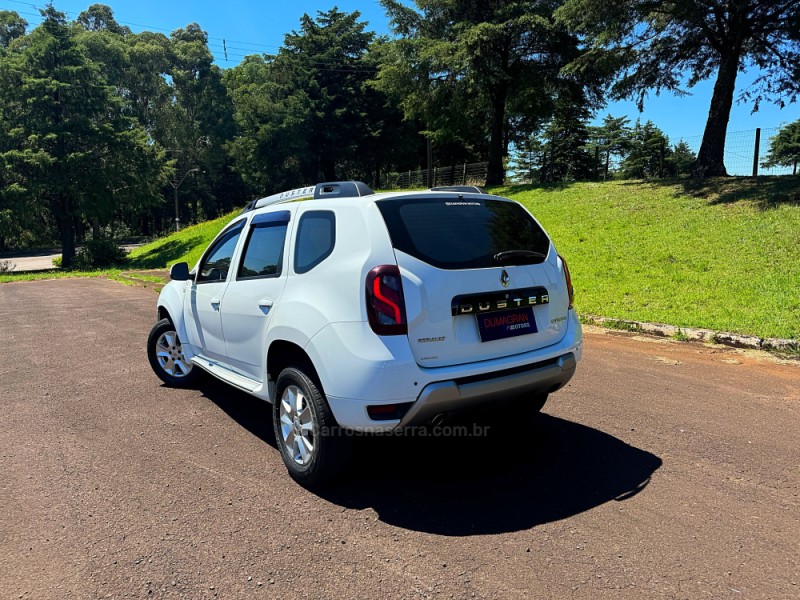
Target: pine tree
(784,148)
(69,144)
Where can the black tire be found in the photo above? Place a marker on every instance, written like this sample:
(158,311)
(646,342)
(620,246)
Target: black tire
(180,376)
(530,405)
(331,447)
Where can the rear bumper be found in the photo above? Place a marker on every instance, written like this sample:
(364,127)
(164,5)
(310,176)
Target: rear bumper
(447,396)
(374,370)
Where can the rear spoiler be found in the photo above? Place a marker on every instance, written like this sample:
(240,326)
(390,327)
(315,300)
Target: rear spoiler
(463,189)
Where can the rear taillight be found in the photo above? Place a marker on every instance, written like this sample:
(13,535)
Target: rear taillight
(386,307)
(570,291)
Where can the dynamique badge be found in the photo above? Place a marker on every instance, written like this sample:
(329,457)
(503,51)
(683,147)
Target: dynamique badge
(504,278)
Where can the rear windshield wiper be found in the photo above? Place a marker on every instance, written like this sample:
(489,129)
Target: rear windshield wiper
(522,257)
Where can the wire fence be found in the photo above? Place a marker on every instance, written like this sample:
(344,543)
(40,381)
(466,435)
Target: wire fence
(464,174)
(740,150)
(745,152)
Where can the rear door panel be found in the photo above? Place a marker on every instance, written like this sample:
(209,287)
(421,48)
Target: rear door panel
(438,338)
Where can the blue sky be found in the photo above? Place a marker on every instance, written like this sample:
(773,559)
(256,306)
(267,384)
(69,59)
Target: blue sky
(252,26)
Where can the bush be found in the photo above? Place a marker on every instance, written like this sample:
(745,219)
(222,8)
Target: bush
(57,262)
(101,252)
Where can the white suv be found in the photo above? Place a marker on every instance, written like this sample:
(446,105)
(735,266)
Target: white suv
(354,311)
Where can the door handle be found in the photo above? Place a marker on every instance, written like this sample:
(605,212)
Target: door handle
(215,303)
(265,304)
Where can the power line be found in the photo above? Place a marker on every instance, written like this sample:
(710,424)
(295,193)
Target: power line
(146,27)
(222,51)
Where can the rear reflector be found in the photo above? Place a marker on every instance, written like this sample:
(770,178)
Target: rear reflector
(388,412)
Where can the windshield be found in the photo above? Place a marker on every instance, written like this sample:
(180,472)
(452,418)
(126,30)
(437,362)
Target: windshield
(463,233)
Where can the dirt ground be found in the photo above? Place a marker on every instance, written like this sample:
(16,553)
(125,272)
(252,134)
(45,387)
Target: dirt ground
(664,470)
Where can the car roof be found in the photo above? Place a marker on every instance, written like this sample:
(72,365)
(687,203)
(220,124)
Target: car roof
(361,201)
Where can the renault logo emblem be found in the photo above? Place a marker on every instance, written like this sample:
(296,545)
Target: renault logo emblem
(504,278)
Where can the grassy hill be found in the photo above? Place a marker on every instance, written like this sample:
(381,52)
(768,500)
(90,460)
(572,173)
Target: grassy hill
(723,254)
(184,245)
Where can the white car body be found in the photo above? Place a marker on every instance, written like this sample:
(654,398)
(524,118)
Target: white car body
(242,331)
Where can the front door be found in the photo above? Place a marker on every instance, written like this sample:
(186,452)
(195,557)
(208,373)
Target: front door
(203,323)
(254,291)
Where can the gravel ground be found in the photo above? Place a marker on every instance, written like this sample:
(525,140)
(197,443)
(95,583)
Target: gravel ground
(664,470)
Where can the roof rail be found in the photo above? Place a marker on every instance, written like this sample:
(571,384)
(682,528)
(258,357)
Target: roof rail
(464,189)
(330,189)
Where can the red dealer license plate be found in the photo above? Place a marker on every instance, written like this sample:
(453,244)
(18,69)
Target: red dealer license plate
(506,324)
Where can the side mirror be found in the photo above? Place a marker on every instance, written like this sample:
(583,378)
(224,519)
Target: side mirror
(179,272)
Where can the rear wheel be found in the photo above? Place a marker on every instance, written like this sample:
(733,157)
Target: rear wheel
(165,353)
(313,446)
(530,405)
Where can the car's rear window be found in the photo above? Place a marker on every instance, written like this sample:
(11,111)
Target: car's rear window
(460,233)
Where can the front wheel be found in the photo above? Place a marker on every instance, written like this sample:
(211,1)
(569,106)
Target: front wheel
(313,446)
(165,352)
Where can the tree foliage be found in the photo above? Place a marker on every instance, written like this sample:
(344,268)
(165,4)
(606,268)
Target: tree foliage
(69,146)
(468,69)
(308,114)
(104,131)
(12,27)
(647,45)
(647,153)
(784,148)
(612,140)
(565,156)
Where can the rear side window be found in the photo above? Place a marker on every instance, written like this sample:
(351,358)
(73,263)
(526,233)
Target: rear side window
(316,237)
(462,233)
(263,251)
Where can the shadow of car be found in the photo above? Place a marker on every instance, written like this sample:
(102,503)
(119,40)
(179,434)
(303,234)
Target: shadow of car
(496,479)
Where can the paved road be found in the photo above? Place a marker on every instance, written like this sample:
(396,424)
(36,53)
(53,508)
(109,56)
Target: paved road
(41,261)
(663,470)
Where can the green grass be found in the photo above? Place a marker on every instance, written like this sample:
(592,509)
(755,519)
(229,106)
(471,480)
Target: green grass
(56,274)
(724,254)
(185,245)
(148,278)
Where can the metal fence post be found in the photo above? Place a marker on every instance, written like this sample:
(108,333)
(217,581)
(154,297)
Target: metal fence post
(464,176)
(756,151)
(430,183)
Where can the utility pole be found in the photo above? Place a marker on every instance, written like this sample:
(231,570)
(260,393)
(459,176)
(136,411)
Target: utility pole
(176,183)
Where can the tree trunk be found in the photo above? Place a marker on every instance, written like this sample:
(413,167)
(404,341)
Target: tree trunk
(496,174)
(712,151)
(67,242)
(62,211)
(328,168)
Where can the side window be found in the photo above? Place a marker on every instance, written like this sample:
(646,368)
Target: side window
(263,251)
(218,259)
(316,237)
